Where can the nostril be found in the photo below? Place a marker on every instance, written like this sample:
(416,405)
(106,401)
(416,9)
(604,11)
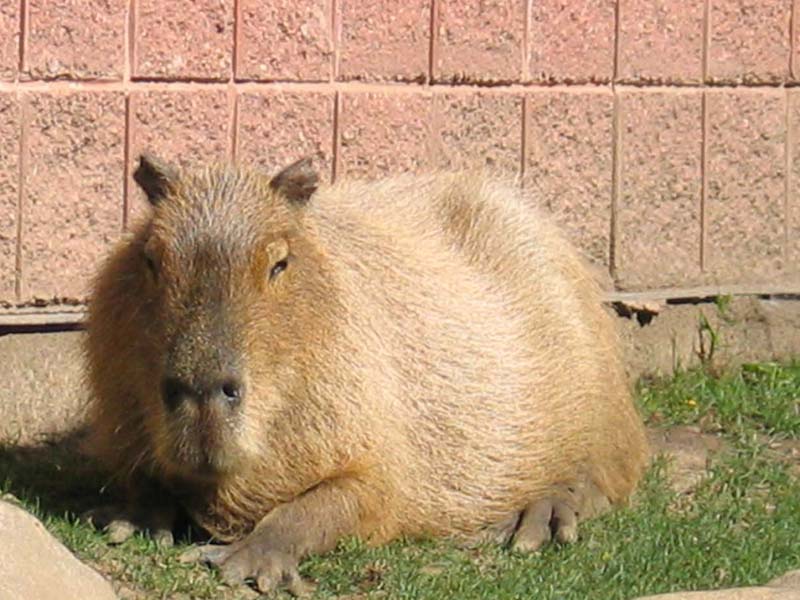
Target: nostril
(173,392)
(232,391)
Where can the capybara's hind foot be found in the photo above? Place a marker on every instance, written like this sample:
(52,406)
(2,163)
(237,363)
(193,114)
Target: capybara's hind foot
(543,520)
(120,523)
(557,517)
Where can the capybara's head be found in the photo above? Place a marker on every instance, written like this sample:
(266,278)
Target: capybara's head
(232,284)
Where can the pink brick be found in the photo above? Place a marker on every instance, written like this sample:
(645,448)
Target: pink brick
(571,41)
(72,208)
(746,186)
(184,128)
(9,193)
(660,42)
(384,133)
(285,40)
(479,128)
(9,39)
(569,163)
(184,39)
(749,41)
(279,127)
(658,211)
(75,40)
(479,41)
(387,40)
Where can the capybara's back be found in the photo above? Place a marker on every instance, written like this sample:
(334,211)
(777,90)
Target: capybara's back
(423,355)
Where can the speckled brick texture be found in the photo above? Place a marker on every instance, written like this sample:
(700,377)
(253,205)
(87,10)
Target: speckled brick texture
(289,40)
(746,186)
(184,39)
(659,44)
(278,127)
(571,42)
(9,194)
(73,190)
(374,35)
(187,128)
(9,39)
(384,133)
(75,40)
(658,217)
(479,41)
(569,163)
(478,129)
(749,41)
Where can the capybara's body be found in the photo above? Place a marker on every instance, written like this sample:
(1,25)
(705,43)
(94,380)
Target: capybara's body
(429,347)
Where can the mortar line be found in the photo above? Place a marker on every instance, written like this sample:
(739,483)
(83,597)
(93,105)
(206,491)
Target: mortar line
(237,17)
(130,58)
(233,133)
(616,158)
(706,38)
(335,33)
(336,158)
(792,32)
(703,258)
(526,41)
(787,192)
(617,12)
(126,171)
(157,84)
(524,141)
(21,168)
(22,43)
(433,41)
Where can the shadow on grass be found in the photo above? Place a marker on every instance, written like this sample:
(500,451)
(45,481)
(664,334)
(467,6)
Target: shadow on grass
(53,476)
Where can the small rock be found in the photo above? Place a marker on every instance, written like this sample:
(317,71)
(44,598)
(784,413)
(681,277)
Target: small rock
(33,564)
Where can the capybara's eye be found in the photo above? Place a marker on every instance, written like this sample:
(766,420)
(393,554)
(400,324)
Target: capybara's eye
(278,268)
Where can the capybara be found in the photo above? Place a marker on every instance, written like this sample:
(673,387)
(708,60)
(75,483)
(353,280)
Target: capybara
(293,362)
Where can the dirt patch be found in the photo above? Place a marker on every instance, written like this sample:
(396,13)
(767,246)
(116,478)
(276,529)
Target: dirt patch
(689,452)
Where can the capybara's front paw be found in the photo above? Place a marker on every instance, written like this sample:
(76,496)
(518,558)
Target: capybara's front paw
(121,522)
(251,559)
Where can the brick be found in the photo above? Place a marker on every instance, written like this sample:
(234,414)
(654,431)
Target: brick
(749,41)
(384,132)
(571,42)
(660,43)
(285,40)
(72,208)
(477,129)
(479,41)
(185,128)
(9,39)
(659,206)
(746,186)
(278,127)
(75,40)
(387,40)
(9,194)
(184,39)
(569,163)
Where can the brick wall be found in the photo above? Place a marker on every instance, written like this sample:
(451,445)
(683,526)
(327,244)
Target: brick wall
(663,134)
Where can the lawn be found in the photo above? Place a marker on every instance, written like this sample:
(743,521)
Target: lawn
(739,526)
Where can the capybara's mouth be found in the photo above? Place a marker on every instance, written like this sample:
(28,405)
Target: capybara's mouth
(202,452)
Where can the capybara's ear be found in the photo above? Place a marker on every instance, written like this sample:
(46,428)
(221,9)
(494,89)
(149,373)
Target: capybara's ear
(154,177)
(297,182)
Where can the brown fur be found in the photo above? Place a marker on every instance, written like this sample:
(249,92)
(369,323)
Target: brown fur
(434,360)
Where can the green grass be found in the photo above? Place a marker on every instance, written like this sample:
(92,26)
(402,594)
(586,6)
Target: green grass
(739,527)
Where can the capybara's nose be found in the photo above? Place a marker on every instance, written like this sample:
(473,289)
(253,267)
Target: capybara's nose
(225,391)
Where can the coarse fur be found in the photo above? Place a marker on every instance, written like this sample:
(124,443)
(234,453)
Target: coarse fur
(432,359)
